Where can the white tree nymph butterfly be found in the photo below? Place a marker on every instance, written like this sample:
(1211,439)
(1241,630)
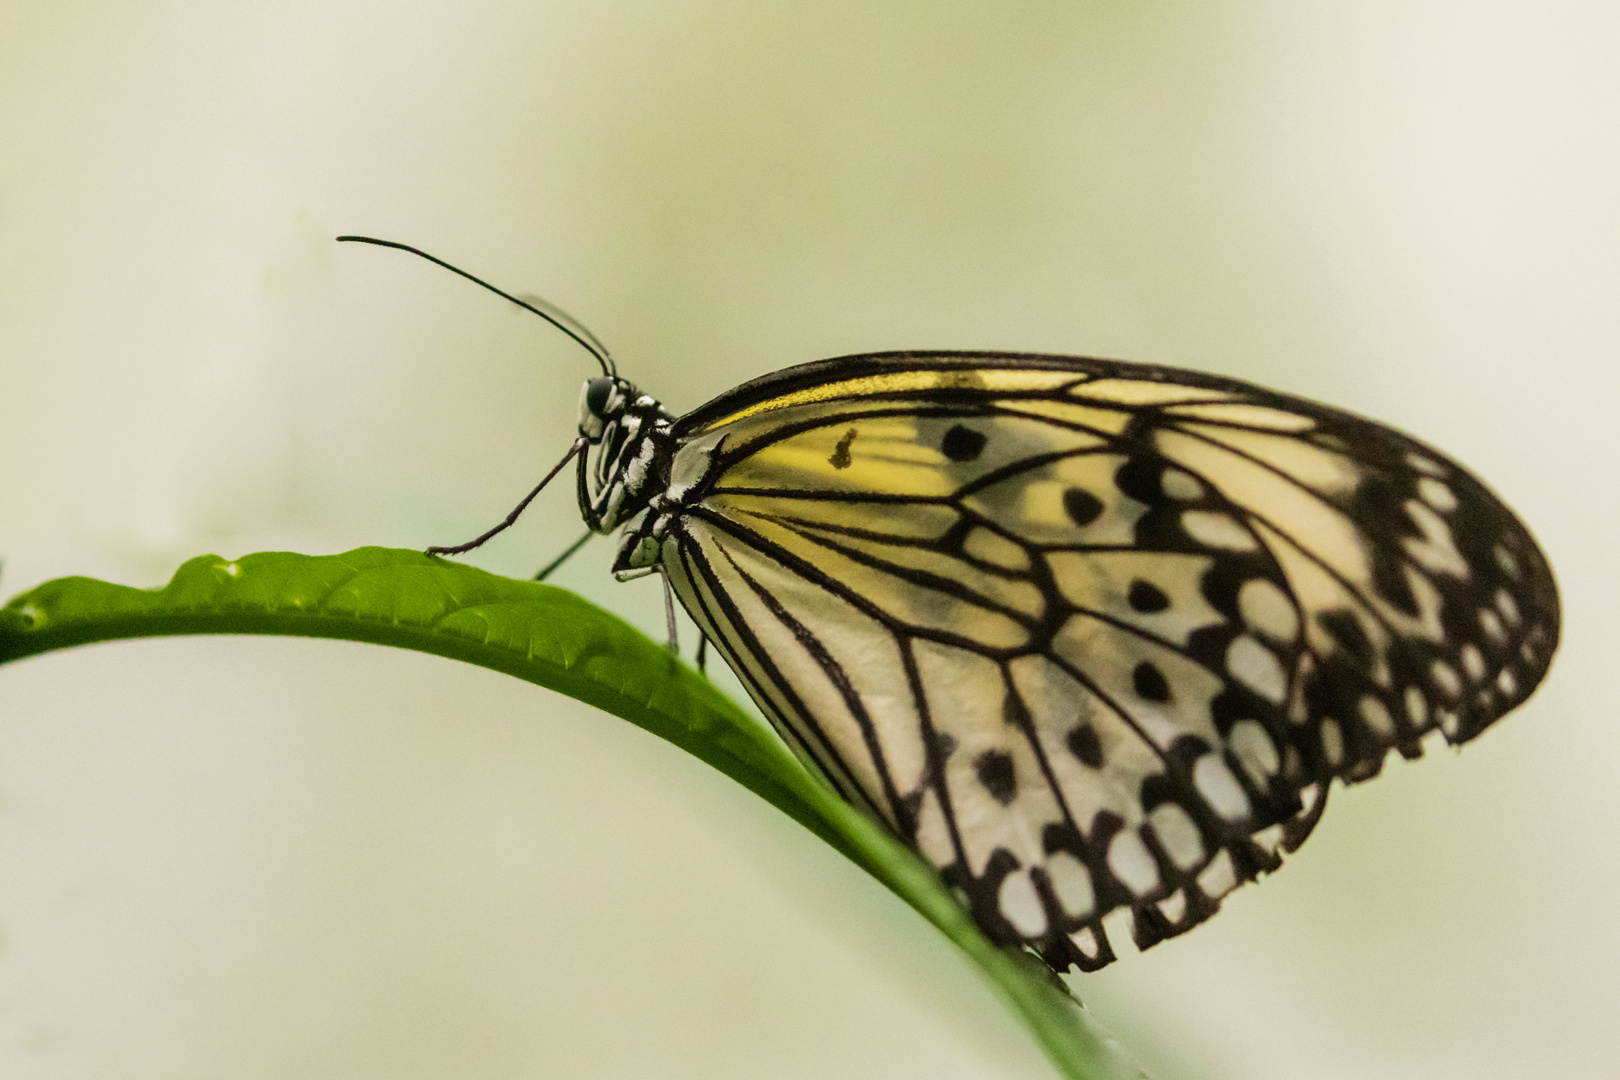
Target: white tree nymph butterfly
(1086,634)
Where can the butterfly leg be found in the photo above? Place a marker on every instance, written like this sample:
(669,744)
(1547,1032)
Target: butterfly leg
(702,652)
(669,614)
(579,444)
(564,557)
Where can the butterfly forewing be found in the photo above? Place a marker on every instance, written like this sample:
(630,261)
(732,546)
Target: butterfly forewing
(1090,635)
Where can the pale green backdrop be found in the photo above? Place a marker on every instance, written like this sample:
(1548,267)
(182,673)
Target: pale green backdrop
(255,859)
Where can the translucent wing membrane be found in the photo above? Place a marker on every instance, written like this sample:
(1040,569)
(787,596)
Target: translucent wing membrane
(1090,635)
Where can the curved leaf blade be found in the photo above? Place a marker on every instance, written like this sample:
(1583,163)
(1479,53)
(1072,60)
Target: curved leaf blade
(553,638)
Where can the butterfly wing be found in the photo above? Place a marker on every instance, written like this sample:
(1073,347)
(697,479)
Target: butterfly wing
(1093,635)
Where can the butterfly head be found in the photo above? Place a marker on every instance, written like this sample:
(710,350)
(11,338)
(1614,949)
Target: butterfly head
(602,401)
(626,431)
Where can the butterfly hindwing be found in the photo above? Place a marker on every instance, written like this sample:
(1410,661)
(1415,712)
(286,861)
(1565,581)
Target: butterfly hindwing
(1090,635)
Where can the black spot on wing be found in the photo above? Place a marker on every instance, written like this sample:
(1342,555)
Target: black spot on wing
(995,769)
(1150,683)
(1082,506)
(963,443)
(840,455)
(1146,597)
(1085,745)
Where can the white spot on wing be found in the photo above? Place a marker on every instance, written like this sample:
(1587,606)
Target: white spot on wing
(1332,742)
(1174,906)
(1132,862)
(1117,924)
(1437,495)
(1180,485)
(1299,709)
(1071,881)
(1269,838)
(1178,834)
(1505,559)
(1424,465)
(1218,878)
(1309,795)
(1507,606)
(1417,707)
(1021,904)
(1266,608)
(1217,531)
(1473,662)
(1257,667)
(1375,714)
(1445,678)
(1254,750)
(1085,939)
(1220,788)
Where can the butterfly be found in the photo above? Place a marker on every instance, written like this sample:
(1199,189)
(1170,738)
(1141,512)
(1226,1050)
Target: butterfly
(1087,635)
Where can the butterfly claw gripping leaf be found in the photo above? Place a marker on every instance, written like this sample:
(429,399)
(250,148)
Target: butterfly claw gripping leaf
(1088,635)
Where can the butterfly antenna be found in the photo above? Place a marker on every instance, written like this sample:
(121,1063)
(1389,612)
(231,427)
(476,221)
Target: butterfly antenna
(560,316)
(553,314)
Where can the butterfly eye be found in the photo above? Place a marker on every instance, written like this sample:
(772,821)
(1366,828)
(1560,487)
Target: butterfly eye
(598,395)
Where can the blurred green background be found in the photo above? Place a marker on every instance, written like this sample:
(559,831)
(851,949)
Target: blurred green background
(254,858)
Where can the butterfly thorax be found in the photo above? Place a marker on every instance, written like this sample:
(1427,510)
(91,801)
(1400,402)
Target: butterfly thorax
(626,464)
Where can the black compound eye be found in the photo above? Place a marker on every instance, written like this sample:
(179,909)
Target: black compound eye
(598,392)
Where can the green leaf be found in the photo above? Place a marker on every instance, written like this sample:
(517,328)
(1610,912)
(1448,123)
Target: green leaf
(553,638)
